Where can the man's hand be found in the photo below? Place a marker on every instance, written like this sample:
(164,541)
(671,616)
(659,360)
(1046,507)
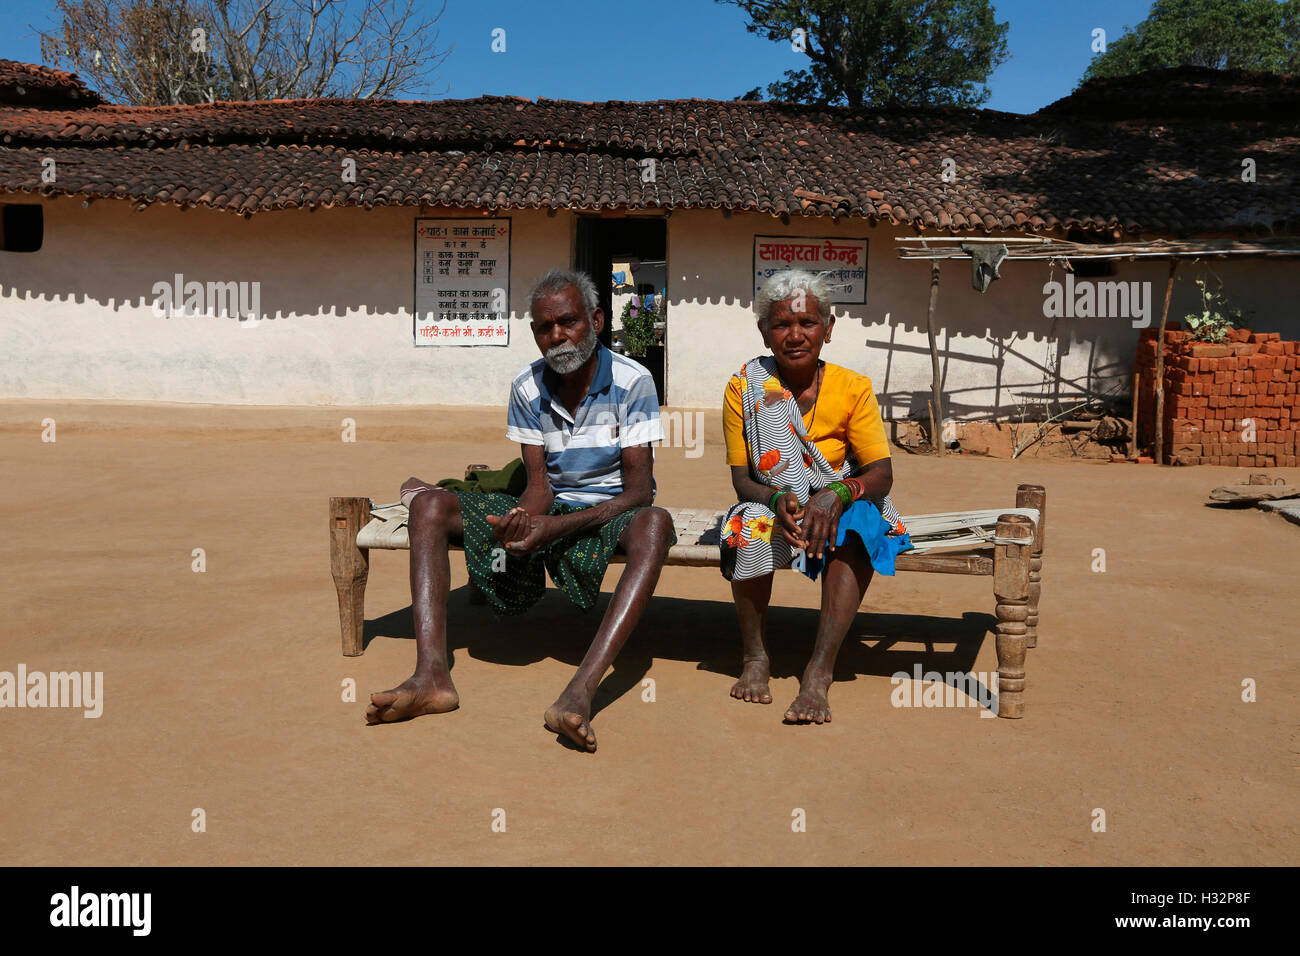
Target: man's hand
(521,532)
(821,522)
(788,513)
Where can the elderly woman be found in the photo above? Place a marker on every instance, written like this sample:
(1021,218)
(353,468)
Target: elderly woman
(810,465)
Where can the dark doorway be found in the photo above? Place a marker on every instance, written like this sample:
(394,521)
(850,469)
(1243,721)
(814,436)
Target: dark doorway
(644,240)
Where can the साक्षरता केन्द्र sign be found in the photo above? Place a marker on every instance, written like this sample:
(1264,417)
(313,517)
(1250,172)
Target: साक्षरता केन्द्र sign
(842,261)
(462,282)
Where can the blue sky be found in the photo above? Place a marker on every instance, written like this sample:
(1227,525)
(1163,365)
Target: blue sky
(671,49)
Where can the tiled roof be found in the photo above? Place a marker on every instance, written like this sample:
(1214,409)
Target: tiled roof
(1072,165)
(30,84)
(1185,93)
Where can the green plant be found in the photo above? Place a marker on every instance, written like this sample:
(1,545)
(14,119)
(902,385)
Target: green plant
(1216,318)
(638,326)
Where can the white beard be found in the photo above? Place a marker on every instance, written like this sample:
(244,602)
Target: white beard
(567,358)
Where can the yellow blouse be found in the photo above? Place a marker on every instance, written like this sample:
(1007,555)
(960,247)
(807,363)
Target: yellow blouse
(846,416)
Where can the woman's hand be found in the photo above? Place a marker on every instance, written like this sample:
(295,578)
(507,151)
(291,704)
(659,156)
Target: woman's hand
(788,513)
(821,522)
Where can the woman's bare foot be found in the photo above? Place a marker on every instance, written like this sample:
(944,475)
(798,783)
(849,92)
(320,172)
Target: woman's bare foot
(569,717)
(812,705)
(414,697)
(752,686)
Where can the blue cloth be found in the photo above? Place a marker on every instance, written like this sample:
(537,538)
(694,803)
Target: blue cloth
(864,519)
(584,451)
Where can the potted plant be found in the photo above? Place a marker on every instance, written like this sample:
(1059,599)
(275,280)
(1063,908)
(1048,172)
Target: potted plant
(639,337)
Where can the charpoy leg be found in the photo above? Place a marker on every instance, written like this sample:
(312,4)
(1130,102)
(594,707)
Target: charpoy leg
(1011,590)
(350,567)
(1034,496)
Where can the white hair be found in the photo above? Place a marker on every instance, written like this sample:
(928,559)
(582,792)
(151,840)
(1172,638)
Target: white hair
(788,283)
(557,280)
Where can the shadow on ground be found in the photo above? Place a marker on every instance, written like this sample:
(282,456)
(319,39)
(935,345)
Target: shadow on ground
(699,631)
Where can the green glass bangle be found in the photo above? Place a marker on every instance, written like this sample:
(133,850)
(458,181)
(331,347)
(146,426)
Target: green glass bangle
(842,490)
(771,502)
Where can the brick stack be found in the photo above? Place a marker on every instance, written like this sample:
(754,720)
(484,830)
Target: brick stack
(1214,393)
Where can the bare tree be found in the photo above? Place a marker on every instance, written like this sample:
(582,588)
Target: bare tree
(152,52)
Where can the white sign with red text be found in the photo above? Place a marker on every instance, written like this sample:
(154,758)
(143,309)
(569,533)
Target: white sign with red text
(842,261)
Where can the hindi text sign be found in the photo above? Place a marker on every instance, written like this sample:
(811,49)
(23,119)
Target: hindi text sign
(842,261)
(462,282)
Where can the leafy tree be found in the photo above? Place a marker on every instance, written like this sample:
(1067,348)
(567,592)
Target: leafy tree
(156,52)
(883,52)
(1219,34)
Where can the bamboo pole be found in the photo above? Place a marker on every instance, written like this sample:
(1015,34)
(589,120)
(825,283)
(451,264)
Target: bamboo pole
(1160,366)
(936,410)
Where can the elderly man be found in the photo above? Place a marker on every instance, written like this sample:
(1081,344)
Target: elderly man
(585,419)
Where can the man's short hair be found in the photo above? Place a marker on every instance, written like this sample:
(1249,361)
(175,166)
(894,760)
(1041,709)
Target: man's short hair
(787,283)
(557,280)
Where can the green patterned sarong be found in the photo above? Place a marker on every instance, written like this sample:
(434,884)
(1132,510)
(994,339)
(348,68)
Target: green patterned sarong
(515,582)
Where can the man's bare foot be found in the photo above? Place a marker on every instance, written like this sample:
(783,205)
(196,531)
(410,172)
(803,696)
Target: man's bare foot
(811,706)
(414,697)
(752,686)
(570,718)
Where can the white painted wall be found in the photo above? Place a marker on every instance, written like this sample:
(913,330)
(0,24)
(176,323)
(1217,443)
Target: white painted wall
(337,287)
(993,345)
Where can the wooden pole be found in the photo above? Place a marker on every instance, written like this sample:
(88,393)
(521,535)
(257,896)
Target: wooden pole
(936,411)
(1160,366)
(1133,432)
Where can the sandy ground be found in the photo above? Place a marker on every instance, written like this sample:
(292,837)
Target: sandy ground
(223,689)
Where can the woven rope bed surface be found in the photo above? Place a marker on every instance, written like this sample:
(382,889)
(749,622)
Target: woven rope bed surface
(698,531)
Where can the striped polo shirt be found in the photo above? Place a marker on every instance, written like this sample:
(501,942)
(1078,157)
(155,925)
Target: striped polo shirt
(584,451)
